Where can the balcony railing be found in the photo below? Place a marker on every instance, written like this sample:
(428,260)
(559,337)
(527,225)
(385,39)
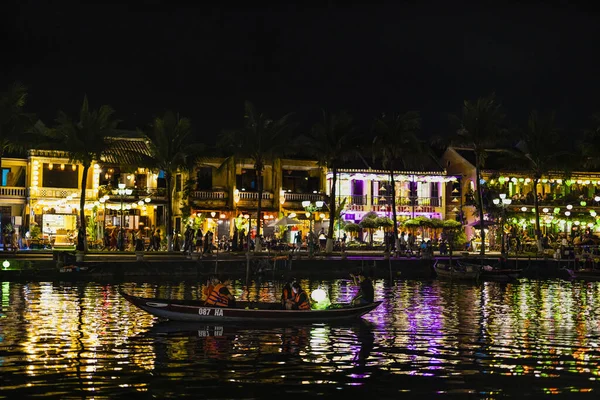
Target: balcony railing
(254,196)
(303,196)
(209,195)
(13,192)
(61,193)
(384,203)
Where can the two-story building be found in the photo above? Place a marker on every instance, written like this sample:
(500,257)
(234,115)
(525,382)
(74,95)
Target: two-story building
(565,202)
(225,192)
(364,188)
(118,193)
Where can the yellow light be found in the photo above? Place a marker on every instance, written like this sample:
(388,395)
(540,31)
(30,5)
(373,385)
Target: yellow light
(62,167)
(50,166)
(73,167)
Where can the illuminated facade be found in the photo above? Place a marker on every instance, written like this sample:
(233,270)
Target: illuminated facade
(54,188)
(416,193)
(227,194)
(564,203)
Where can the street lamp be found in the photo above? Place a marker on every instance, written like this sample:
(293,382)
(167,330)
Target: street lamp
(502,202)
(311,209)
(122,191)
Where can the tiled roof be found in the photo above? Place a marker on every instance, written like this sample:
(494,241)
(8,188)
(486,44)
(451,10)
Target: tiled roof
(127,151)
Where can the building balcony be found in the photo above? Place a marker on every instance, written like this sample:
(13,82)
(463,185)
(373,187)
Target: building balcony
(156,195)
(61,193)
(211,199)
(294,200)
(13,193)
(250,200)
(362,203)
(576,202)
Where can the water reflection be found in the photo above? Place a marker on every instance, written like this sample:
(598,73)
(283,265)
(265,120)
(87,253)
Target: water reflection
(519,338)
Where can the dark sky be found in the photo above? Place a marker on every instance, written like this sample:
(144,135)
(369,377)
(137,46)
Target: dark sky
(205,61)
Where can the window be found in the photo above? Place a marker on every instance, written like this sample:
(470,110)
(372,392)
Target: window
(247,180)
(109,176)
(160,180)
(141,181)
(204,178)
(60,178)
(5,172)
(178,183)
(435,194)
(299,182)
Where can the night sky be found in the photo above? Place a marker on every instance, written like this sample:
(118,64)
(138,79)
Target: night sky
(205,61)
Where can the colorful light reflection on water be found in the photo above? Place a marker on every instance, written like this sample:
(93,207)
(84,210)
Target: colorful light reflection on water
(490,339)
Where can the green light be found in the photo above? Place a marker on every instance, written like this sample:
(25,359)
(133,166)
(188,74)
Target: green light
(6,264)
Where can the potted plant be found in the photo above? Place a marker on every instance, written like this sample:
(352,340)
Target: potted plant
(34,236)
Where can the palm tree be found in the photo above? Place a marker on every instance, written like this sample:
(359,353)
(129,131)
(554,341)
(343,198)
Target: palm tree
(85,141)
(262,140)
(396,142)
(14,122)
(330,141)
(590,146)
(540,148)
(480,129)
(172,149)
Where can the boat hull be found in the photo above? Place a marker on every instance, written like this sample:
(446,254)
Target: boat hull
(500,274)
(195,311)
(447,271)
(585,274)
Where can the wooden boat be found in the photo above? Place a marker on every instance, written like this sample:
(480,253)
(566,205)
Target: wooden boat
(445,270)
(586,274)
(196,311)
(497,273)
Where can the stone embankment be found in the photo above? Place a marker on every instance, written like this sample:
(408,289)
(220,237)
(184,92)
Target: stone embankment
(129,266)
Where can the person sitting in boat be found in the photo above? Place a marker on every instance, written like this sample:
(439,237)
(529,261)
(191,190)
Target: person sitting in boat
(366,293)
(287,293)
(210,285)
(220,295)
(300,300)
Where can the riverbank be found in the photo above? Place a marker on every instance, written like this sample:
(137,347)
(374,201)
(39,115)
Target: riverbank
(106,266)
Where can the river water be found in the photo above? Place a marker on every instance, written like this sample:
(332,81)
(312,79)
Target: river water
(486,340)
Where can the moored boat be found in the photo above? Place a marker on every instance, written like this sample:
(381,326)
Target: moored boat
(196,311)
(462,271)
(497,273)
(586,274)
